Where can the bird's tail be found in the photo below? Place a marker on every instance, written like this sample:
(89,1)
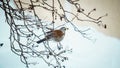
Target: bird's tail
(41,40)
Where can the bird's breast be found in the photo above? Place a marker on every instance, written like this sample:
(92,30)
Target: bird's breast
(58,35)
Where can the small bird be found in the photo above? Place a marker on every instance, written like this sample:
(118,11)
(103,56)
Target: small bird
(56,35)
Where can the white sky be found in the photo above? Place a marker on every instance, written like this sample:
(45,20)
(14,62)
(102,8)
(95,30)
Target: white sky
(103,53)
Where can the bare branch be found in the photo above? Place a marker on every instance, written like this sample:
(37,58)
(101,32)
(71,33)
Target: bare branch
(25,23)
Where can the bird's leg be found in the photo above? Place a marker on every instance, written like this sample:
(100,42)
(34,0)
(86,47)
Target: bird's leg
(59,46)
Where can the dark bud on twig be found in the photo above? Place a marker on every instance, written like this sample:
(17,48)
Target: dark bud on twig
(63,66)
(105,26)
(83,10)
(65,58)
(31,7)
(50,53)
(1,44)
(94,9)
(47,56)
(53,22)
(29,35)
(32,53)
(61,18)
(56,67)
(55,17)
(37,0)
(62,60)
(80,10)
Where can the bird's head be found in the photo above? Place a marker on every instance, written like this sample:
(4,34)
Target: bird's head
(63,29)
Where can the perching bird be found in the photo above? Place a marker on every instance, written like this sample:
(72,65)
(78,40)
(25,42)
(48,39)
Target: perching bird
(56,35)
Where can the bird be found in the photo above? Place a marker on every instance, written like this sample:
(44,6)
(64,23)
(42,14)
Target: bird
(56,35)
